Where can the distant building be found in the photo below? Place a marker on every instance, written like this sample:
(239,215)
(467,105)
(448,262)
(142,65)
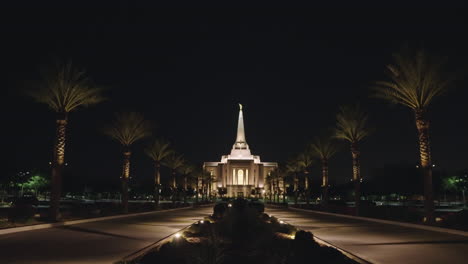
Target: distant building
(240,172)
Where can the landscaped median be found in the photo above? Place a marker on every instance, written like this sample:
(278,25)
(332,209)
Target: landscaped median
(85,220)
(239,233)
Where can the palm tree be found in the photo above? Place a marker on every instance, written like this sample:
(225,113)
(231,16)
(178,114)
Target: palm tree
(65,89)
(414,82)
(324,149)
(270,182)
(304,161)
(197,176)
(207,180)
(282,176)
(351,125)
(158,151)
(186,172)
(293,167)
(174,161)
(273,179)
(126,129)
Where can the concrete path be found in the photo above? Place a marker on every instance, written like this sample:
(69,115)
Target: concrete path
(380,243)
(96,242)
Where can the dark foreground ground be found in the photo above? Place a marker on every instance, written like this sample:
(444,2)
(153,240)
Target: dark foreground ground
(95,242)
(380,243)
(109,241)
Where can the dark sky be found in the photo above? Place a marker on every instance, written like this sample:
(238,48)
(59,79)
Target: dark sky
(186,69)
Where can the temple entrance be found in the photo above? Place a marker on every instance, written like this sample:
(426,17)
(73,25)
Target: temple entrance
(240,194)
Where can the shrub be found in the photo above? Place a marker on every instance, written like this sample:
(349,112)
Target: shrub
(22,210)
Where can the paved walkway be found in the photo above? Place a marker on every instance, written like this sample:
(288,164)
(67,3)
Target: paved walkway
(380,243)
(111,240)
(96,242)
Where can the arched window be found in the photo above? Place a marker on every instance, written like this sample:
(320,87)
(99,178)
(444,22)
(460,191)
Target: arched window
(240,177)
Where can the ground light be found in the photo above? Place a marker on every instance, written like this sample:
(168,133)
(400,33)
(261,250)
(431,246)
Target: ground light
(177,235)
(201,221)
(229,205)
(281,222)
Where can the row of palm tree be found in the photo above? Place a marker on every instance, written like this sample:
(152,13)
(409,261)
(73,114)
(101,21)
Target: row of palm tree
(414,80)
(128,128)
(66,89)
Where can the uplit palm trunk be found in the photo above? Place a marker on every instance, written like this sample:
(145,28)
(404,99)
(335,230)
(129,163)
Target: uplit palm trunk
(185,189)
(277,190)
(208,186)
(271,192)
(57,167)
(125,178)
(284,190)
(296,188)
(356,176)
(198,190)
(157,183)
(307,191)
(422,126)
(325,182)
(174,186)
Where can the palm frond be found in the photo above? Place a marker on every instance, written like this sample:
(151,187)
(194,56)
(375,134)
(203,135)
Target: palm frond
(351,124)
(293,166)
(304,160)
(158,150)
(323,148)
(128,127)
(414,80)
(65,89)
(174,161)
(186,169)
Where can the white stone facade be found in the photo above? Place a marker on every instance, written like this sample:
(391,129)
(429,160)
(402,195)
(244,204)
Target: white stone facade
(240,172)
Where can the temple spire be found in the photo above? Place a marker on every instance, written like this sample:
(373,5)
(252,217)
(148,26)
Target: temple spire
(240,143)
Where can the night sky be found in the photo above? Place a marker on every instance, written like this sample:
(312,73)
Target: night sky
(186,70)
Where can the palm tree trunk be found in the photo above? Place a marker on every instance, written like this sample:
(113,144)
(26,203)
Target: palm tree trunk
(356,176)
(296,188)
(125,178)
(185,189)
(277,190)
(325,182)
(157,184)
(174,186)
(284,190)
(307,191)
(198,190)
(208,186)
(422,125)
(57,167)
(464,198)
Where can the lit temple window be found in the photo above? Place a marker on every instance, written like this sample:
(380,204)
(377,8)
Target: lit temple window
(234,179)
(240,177)
(246,177)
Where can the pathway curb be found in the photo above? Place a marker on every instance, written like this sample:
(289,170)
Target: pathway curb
(423,227)
(348,254)
(81,221)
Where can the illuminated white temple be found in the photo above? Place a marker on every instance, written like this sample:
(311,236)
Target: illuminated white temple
(240,172)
